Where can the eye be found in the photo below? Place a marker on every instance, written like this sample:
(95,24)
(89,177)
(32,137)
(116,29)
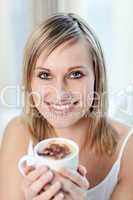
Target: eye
(44,75)
(76,74)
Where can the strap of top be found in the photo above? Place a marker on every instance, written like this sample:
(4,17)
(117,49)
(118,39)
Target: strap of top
(124,144)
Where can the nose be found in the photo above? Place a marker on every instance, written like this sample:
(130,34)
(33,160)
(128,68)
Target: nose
(62,92)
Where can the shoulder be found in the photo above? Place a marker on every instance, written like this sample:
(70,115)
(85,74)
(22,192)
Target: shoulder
(126,172)
(16,132)
(14,144)
(15,140)
(122,129)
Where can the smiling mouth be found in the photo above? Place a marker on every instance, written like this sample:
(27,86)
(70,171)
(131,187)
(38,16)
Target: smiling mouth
(61,108)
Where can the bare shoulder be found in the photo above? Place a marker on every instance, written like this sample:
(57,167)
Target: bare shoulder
(126,172)
(121,128)
(14,144)
(16,133)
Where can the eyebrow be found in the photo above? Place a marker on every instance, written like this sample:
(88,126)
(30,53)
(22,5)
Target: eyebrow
(69,69)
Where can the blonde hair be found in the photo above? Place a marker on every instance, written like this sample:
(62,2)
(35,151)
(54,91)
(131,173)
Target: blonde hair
(48,35)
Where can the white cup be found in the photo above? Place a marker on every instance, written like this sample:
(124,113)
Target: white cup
(70,161)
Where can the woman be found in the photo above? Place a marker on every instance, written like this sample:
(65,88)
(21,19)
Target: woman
(64,65)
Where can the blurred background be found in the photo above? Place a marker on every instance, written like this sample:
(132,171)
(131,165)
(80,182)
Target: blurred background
(112,22)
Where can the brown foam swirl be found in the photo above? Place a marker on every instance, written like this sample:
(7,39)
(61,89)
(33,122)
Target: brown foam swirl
(55,151)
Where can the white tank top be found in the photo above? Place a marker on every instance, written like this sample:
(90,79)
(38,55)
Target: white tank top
(104,189)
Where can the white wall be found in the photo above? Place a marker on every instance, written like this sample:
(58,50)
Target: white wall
(79,7)
(123,43)
(15,25)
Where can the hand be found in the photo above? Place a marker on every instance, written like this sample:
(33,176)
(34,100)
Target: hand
(74,184)
(35,182)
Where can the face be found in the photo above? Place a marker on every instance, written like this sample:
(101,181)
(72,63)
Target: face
(63,84)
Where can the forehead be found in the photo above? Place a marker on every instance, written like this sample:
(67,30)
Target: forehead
(67,54)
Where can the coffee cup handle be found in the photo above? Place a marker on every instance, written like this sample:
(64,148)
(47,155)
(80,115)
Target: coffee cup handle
(28,160)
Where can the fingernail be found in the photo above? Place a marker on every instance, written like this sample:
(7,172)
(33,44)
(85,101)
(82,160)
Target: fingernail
(85,171)
(50,174)
(61,195)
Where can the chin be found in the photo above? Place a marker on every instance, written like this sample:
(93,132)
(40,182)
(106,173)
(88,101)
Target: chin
(63,121)
(62,125)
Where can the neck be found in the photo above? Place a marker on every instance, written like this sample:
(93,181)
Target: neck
(76,132)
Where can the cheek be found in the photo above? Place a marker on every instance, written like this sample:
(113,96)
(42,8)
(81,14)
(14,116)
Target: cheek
(37,92)
(89,93)
(38,87)
(41,92)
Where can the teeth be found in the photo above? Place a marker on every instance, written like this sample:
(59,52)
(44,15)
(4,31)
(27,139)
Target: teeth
(63,107)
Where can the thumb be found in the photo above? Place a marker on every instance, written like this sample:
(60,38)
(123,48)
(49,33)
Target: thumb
(82,170)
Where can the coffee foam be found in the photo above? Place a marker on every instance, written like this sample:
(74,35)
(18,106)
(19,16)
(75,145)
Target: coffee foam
(56,150)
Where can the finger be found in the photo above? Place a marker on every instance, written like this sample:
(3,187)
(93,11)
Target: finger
(71,189)
(28,169)
(34,175)
(47,195)
(67,195)
(40,183)
(59,196)
(47,186)
(75,177)
(82,170)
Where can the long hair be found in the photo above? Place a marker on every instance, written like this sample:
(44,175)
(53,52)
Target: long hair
(47,36)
